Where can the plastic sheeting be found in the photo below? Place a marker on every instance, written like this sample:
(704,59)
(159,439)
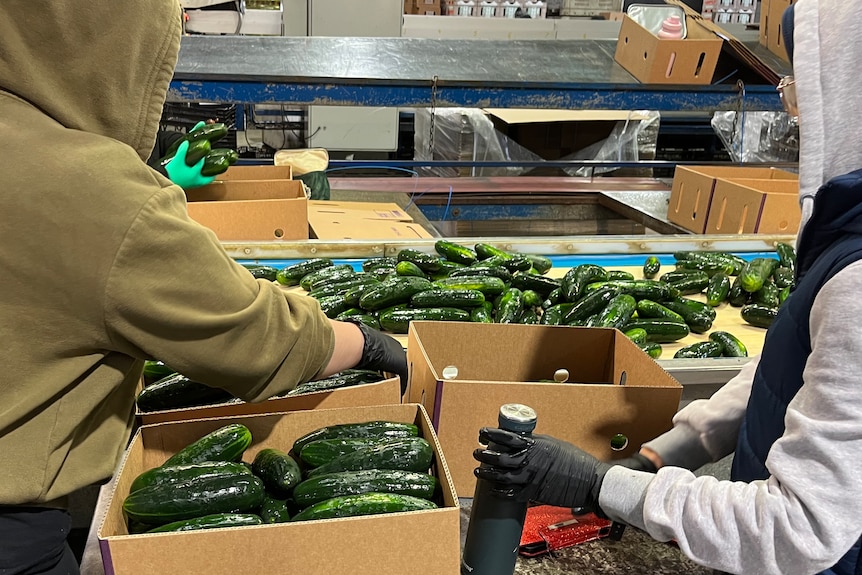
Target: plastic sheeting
(761,137)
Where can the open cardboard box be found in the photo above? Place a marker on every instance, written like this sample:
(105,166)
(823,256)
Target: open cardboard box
(653,60)
(744,206)
(251,210)
(384,392)
(256,173)
(771,33)
(693,188)
(390,544)
(615,387)
(347,227)
(386,211)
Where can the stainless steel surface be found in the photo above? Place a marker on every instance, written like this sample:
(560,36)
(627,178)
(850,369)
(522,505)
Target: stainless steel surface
(645,207)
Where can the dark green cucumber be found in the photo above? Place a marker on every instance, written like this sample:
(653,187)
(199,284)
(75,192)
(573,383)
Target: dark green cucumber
(518,264)
(368,429)
(783,277)
(196,152)
(620,275)
(483,271)
(713,259)
(698,321)
(218,161)
(405,454)
(406,268)
(426,262)
(226,443)
(591,304)
(758,315)
(717,289)
(323,451)
(346,378)
(339,275)
(483,313)
(364,504)
(398,321)
(786,255)
(649,309)
(756,272)
(694,283)
(659,330)
(454,252)
(343,285)
(211,133)
(701,350)
(510,306)
(541,264)
(214,521)
(651,267)
(155,370)
(651,348)
(695,306)
(784,294)
(678,274)
(617,313)
(485,284)
(177,392)
(731,346)
(767,295)
(335,271)
(393,292)
(274,510)
(371,264)
(710,268)
(333,305)
(577,278)
(463,298)
(291,275)
(637,335)
(340,484)
(539,284)
(162,504)
(354,294)
(172,474)
(353,315)
(553,298)
(278,471)
(261,272)
(485,251)
(528,317)
(737,297)
(638,289)
(553,315)
(531,298)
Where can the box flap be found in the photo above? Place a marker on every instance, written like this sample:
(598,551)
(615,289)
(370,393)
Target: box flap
(349,228)
(256,173)
(247,190)
(388,211)
(527,116)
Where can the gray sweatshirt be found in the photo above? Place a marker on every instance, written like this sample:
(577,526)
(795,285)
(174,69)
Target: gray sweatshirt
(808,513)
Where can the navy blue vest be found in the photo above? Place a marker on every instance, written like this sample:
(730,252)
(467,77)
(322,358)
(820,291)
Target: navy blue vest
(831,241)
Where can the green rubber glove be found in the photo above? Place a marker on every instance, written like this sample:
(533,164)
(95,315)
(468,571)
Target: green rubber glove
(197,127)
(183,175)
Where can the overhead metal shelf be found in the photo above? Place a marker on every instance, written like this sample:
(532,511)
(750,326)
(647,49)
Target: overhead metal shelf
(421,72)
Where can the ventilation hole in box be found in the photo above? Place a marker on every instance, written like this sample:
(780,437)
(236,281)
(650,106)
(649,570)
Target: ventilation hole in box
(783,225)
(279,233)
(619,442)
(626,40)
(646,55)
(721,211)
(623,377)
(670,64)
(696,203)
(742,218)
(699,65)
(679,198)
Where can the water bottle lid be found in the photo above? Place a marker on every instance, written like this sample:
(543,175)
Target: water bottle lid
(517,418)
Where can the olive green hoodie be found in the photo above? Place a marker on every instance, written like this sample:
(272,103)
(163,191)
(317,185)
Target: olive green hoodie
(100,266)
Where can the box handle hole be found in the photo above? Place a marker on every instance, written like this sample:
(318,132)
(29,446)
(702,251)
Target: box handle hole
(626,40)
(670,64)
(720,222)
(699,64)
(696,203)
(646,55)
(742,218)
(679,198)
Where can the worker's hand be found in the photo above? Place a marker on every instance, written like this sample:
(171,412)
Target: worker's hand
(637,462)
(540,468)
(182,174)
(383,353)
(200,125)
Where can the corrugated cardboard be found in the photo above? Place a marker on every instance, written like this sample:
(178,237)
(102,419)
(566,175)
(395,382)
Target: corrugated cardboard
(256,173)
(380,393)
(242,210)
(754,206)
(659,61)
(499,364)
(693,187)
(386,211)
(771,36)
(352,228)
(392,544)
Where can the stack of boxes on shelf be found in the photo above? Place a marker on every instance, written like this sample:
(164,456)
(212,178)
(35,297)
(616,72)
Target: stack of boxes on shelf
(423,7)
(730,11)
(479,8)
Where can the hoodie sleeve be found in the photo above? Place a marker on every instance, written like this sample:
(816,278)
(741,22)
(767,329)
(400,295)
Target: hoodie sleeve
(174,294)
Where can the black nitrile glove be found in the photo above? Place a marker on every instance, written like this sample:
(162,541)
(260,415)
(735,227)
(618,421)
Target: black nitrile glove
(383,353)
(637,462)
(540,468)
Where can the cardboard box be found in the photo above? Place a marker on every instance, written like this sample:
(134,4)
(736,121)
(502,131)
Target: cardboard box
(656,61)
(350,228)
(386,211)
(616,388)
(244,210)
(389,544)
(754,206)
(256,173)
(384,392)
(693,187)
(771,36)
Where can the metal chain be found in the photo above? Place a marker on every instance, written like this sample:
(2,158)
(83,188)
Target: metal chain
(738,112)
(433,110)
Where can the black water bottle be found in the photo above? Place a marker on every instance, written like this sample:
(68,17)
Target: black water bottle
(494,532)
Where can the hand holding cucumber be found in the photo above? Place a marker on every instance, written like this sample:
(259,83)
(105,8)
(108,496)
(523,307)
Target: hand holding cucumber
(193,162)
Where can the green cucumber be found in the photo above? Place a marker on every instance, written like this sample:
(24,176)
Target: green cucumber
(482,314)
(783,277)
(637,335)
(737,297)
(553,315)
(485,251)
(260,272)
(756,272)
(178,392)
(323,451)
(651,348)
(510,306)
(340,484)
(553,298)
(218,161)
(649,309)
(731,346)
(678,274)
(591,304)
(786,255)
(709,268)
(393,292)
(485,284)
(338,276)
(659,330)
(214,521)
(454,252)
(162,504)
(638,289)
(518,264)
(465,298)
(274,510)
(291,275)
(211,132)
(333,305)
(426,262)
(701,350)
(226,443)
(617,313)
(540,284)
(197,151)
(531,298)
(695,306)
(768,295)
(155,370)
(717,289)
(697,321)
(406,454)
(345,378)
(528,317)
(620,275)
(758,315)
(784,294)
(342,286)
(372,264)
(447,267)
(483,271)
(278,471)
(694,283)
(334,271)
(577,278)
(405,268)
(354,294)
(398,321)
(651,267)
(713,259)
(172,474)
(541,264)
(368,429)
(364,504)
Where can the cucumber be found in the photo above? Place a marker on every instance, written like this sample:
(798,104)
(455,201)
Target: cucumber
(398,321)
(553,298)
(731,346)
(274,510)
(756,272)
(226,443)
(211,132)
(278,471)
(637,335)
(485,251)
(518,264)
(485,284)
(758,315)
(260,272)
(218,161)
(651,348)
(695,306)
(659,330)
(291,275)
(510,306)
(620,275)
(528,317)
(214,521)
(678,274)
(365,504)
(447,267)
(541,264)
(554,314)
(345,378)
(342,286)
(333,305)
(714,259)
(372,264)
(323,451)
(393,292)
(172,474)
(483,271)
(717,289)
(694,283)
(591,304)
(651,267)
(638,289)
(369,429)
(426,262)
(162,504)
(701,349)
(617,313)
(649,309)
(406,268)
(710,268)
(737,297)
(466,298)
(339,271)
(406,454)
(577,278)
(155,370)
(531,298)
(783,277)
(540,284)
(197,151)
(338,275)
(177,392)
(768,295)
(455,253)
(784,294)
(697,321)
(786,255)
(354,294)
(340,484)
(481,314)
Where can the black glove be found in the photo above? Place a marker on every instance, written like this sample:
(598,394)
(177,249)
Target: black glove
(383,353)
(637,462)
(541,469)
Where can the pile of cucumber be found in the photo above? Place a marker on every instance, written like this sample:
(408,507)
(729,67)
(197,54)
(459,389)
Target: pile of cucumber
(337,471)
(216,160)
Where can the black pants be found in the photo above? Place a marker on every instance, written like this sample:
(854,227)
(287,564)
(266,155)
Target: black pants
(33,542)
